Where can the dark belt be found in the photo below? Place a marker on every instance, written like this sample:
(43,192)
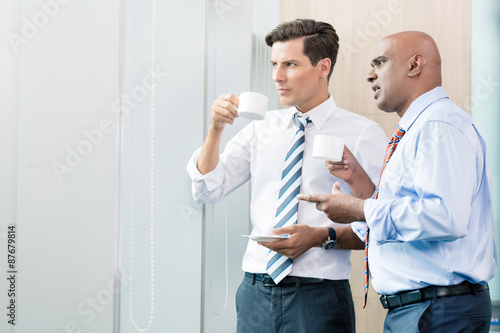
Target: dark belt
(267,281)
(424,294)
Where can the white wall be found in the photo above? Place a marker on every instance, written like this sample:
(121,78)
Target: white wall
(178,99)
(229,71)
(204,47)
(60,86)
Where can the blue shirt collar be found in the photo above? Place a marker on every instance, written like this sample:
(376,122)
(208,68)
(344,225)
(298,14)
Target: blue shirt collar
(419,105)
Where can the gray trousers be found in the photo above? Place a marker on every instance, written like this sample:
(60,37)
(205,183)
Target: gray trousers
(294,307)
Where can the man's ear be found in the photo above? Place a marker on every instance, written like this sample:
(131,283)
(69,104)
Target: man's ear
(415,65)
(324,67)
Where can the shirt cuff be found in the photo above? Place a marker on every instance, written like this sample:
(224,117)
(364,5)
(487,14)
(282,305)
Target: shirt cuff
(211,180)
(359,228)
(378,218)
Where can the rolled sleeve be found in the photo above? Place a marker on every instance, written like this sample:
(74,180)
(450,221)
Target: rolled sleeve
(359,228)
(376,213)
(232,170)
(204,187)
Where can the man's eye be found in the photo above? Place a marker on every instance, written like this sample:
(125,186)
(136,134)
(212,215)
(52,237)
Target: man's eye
(378,63)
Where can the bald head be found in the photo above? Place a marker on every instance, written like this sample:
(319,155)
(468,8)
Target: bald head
(406,65)
(412,43)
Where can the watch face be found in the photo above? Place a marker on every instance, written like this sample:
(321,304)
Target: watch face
(330,245)
(331,242)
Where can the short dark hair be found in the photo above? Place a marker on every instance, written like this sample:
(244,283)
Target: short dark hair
(321,40)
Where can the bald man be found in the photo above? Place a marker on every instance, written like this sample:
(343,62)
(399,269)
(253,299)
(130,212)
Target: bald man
(432,248)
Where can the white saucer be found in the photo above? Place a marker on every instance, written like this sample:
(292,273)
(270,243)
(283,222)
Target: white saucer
(265,238)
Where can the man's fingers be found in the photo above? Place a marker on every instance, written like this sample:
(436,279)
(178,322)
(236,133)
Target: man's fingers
(310,197)
(336,188)
(275,246)
(283,231)
(230,98)
(223,112)
(332,166)
(319,206)
(226,105)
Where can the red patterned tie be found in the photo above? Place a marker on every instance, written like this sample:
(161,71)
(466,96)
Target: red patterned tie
(391,147)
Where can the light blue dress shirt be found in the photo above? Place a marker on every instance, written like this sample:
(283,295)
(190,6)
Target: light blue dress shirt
(432,223)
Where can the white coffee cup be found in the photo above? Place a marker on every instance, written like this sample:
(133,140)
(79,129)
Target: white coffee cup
(253,105)
(328,147)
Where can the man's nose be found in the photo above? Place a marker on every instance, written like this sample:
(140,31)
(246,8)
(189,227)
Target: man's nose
(371,75)
(279,74)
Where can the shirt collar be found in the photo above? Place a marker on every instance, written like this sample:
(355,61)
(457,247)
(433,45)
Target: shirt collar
(419,105)
(318,115)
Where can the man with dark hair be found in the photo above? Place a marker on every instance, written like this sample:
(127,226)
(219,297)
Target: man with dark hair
(325,43)
(303,286)
(431,248)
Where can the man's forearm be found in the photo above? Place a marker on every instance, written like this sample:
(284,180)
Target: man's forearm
(361,186)
(347,239)
(209,154)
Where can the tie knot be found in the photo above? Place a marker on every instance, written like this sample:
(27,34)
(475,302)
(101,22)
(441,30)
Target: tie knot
(301,121)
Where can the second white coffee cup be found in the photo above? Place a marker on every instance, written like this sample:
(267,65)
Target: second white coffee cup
(328,147)
(253,105)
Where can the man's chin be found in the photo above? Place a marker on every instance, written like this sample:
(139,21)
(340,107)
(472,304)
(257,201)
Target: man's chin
(382,107)
(285,102)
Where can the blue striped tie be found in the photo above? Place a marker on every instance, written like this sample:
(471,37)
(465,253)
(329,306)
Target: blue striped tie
(279,266)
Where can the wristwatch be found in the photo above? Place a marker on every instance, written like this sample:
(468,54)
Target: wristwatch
(331,241)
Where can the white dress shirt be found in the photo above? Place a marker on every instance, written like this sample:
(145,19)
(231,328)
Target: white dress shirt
(432,223)
(257,154)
